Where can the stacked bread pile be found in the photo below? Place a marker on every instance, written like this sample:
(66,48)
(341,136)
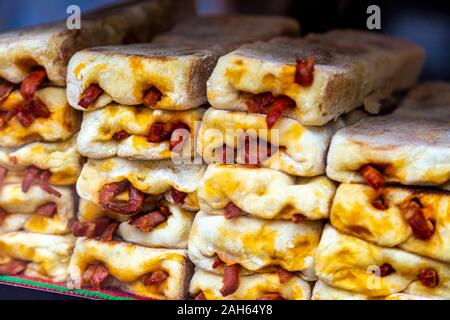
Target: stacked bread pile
(142,105)
(264,197)
(389,236)
(39,162)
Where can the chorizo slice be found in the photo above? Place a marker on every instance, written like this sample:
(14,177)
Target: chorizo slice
(47,210)
(232,211)
(373,177)
(31,83)
(304,71)
(422,227)
(154,278)
(230,279)
(151,96)
(177,196)
(90,95)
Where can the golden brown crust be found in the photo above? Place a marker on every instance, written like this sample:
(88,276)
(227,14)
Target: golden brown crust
(127,263)
(384,66)
(353,264)
(62,123)
(52,45)
(353,213)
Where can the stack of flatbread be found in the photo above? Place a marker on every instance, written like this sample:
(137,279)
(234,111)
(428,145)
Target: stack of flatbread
(217,149)
(275,107)
(39,162)
(390,220)
(142,105)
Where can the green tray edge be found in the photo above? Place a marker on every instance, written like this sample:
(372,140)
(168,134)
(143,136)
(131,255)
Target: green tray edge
(60,288)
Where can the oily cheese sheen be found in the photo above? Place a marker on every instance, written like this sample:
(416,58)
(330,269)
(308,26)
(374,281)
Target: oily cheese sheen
(21,209)
(279,243)
(384,65)
(353,213)
(298,149)
(251,287)
(127,263)
(265,193)
(150,177)
(323,291)
(96,137)
(62,123)
(47,255)
(350,263)
(60,158)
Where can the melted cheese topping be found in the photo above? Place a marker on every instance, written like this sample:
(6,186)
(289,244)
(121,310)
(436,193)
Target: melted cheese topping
(21,209)
(90,211)
(265,193)
(127,263)
(256,244)
(125,77)
(349,263)
(251,287)
(49,254)
(303,149)
(353,213)
(62,123)
(323,291)
(60,158)
(96,135)
(150,177)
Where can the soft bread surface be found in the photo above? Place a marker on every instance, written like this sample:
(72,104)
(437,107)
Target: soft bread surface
(96,135)
(349,263)
(353,213)
(52,45)
(178,63)
(413,143)
(352,68)
(48,255)
(21,209)
(322,291)
(128,262)
(251,287)
(301,149)
(150,177)
(257,245)
(62,123)
(427,100)
(60,158)
(265,193)
(173,233)
(413,151)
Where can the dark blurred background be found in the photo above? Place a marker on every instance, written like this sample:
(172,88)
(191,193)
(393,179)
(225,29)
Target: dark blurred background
(425,22)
